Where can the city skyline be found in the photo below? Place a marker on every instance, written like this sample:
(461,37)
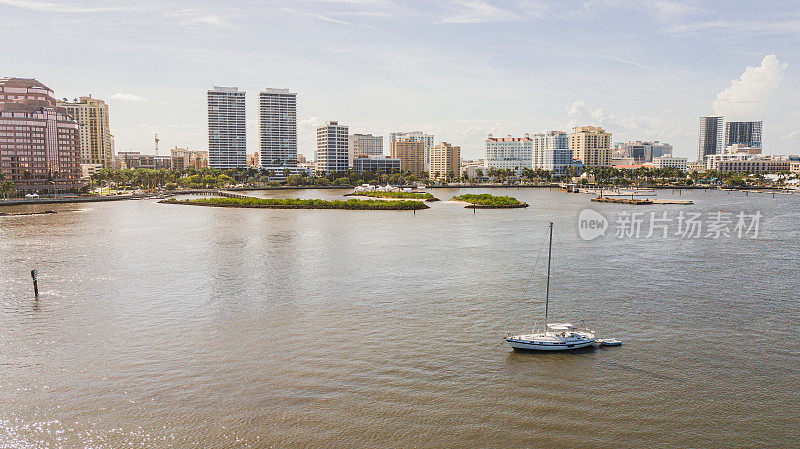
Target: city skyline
(434,77)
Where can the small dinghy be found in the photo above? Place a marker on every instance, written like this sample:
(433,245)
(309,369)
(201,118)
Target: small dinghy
(609,341)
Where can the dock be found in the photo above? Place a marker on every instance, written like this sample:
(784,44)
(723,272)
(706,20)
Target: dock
(638,202)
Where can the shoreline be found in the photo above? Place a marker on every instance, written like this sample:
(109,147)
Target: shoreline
(138,196)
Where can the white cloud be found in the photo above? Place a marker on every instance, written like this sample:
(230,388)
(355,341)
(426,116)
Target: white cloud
(128,97)
(638,127)
(628,61)
(63,7)
(322,17)
(579,115)
(479,11)
(534,8)
(214,21)
(199,17)
(750,95)
(759,27)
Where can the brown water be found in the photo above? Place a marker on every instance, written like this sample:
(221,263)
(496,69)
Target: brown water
(179,326)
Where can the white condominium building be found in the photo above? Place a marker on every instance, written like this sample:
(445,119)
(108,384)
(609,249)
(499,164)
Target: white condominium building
(227,131)
(277,129)
(551,151)
(332,147)
(513,153)
(91,115)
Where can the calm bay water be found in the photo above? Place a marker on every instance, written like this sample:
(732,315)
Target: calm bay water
(177,326)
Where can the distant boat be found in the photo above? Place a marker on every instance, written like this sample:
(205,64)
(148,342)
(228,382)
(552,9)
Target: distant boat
(554,336)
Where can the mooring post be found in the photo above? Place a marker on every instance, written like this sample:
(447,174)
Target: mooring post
(35,284)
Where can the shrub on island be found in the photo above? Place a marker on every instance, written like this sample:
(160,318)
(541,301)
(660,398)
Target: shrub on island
(295,203)
(487,201)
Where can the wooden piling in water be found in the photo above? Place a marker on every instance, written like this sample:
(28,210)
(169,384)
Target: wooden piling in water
(35,284)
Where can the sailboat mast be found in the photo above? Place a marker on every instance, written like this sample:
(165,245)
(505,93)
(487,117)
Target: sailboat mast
(547,291)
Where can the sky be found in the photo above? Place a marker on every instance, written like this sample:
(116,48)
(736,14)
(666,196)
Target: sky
(458,69)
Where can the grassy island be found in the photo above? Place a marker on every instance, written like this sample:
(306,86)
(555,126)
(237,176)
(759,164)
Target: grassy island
(397,195)
(293,203)
(486,201)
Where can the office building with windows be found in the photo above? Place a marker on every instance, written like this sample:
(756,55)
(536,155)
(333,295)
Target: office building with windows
(412,155)
(746,134)
(94,132)
(591,145)
(39,140)
(445,162)
(332,148)
(381,163)
(365,145)
(508,153)
(227,129)
(426,141)
(711,137)
(277,129)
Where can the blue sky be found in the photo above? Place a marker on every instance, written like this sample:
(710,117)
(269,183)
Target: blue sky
(459,69)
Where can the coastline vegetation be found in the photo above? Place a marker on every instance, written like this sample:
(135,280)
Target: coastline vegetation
(120,181)
(485,200)
(397,195)
(294,203)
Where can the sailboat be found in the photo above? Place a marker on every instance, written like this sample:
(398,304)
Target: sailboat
(554,336)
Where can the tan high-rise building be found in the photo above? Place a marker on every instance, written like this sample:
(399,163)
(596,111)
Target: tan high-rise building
(411,154)
(591,145)
(445,161)
(91,115)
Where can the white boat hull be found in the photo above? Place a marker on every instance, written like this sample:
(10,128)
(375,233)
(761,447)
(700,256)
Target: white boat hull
(548,346)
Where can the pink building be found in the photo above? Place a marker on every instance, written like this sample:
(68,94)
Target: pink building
(39,146)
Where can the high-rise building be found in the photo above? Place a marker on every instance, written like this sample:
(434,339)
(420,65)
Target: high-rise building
(365,145)
(411,154)
(94,131)
(278,129)
(445,161)
(332,148)
(711,137)
(508,153)
(227,130)
(747,134)
(39,146)
(644,151)
(591,145)
(551,151)
(416,136)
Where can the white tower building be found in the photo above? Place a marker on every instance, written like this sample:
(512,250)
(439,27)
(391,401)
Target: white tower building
(227,131)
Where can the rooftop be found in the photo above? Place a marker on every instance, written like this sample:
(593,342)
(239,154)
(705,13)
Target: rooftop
(508,138)
(23,83)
